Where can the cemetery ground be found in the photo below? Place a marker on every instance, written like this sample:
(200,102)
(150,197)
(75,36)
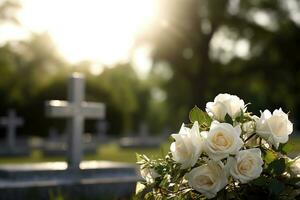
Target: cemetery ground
(109,151)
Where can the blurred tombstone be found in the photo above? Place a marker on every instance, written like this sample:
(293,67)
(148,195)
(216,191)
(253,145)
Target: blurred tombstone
(166,133)
(53,134)
(11,122)
(55,144)
(76,110)
(76,179)
(142,140)
(102,127)
(143,130)
(12,146)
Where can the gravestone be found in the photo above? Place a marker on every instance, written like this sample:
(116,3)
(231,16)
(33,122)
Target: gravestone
(53,134)
(56,144)
(12,146)
(102,127)
(76,110)
(75,179)
(143,130)
(166,133)
(143,140)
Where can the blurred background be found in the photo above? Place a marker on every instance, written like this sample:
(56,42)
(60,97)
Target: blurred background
(149,61)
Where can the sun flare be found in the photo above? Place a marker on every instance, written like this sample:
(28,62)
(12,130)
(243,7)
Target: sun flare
(101,31)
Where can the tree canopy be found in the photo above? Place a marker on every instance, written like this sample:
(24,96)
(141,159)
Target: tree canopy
(248,48)
(199,48)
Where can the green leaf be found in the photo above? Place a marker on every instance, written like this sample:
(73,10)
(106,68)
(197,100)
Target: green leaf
(270,157)
(228,119)
(260,181)
(276,187)
(285,148)
(165,181)
(277,166)
(149,196)
(241,117)
(196,114)
(294,180)
(138,157)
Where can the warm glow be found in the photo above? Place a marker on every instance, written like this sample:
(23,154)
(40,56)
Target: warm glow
(98,30)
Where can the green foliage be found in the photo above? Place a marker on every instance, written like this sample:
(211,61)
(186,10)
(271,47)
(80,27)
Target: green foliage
(285,148)
(277,167)
(193,46)
(276,187)
(260,181)
(196,114)
(228,119)
(33,72)
(270,156)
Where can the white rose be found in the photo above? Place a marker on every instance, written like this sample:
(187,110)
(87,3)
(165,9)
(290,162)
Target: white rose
(222,139)
(274,128)
(187,146)
(148,174)
(246,166)
(225,104)
(249,127)
(208,179)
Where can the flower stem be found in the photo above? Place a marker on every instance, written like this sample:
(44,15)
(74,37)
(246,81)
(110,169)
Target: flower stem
(250,137)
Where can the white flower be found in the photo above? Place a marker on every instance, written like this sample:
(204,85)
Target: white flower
(274,128)
(187,146)
(148,174)
(246,166)
(222,139)
(225,104)
(249,127)
(208,179)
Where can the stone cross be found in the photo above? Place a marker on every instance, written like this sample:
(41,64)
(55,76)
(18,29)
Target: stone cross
(76,110)
(12,121)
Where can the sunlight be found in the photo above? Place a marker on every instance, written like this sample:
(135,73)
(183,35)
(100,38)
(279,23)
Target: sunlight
(142,62)
(100,31)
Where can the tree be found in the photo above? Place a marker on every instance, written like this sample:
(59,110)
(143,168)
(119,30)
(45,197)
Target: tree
(248,48)
(8,9)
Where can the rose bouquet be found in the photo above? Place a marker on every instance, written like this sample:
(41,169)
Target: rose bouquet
(225,153)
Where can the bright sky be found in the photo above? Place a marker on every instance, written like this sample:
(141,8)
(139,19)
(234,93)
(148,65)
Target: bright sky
(98,30)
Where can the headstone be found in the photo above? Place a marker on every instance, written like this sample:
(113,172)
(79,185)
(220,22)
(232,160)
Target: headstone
(143,130)
(142,140)
(55,144)
(102,127)
(166,133)
(53,134)
(12,146)
(74,179)
(96,179)
(11,122)
(76,110)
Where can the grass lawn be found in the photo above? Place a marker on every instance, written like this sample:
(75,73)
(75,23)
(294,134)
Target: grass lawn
(110,151)
(113,152)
